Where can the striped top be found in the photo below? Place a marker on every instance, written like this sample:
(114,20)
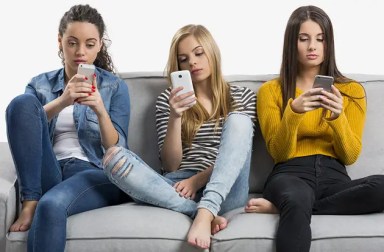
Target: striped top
(204,149)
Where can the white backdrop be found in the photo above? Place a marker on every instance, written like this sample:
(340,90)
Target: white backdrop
(248,32)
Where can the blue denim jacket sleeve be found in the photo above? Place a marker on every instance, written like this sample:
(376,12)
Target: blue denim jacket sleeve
(120,112)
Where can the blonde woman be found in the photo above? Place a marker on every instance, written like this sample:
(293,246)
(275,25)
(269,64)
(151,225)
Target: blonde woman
(205,142)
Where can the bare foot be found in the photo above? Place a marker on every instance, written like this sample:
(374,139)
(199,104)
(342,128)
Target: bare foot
(260,205)
(23,223)
(218,224)
(199,234)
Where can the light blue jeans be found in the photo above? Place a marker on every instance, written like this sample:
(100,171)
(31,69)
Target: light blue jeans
(227,188)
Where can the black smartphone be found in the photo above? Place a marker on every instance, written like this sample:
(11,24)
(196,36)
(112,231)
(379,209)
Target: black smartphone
(323,81)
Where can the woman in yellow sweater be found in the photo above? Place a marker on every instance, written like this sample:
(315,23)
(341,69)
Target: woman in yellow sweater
(311,135)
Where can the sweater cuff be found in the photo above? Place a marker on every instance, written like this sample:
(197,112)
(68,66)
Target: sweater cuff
(337,123)
(291,115)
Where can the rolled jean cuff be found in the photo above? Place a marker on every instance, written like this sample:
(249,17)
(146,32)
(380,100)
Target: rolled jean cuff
(209,207)
(34,197)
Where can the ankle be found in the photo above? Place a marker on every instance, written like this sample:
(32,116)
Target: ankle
(203,213)
(29,205)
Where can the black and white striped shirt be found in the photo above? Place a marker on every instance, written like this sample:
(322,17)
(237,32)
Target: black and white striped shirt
(204,149)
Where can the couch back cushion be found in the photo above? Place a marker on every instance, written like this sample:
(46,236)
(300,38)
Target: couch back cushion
(144,87)
(371,160)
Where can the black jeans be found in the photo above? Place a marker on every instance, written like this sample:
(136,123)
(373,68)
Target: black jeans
(317,184)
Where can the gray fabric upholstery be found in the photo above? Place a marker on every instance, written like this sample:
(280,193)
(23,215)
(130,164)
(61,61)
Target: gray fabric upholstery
(132,227)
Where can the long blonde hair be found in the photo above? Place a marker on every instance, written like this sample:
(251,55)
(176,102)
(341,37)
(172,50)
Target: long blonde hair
(193,118)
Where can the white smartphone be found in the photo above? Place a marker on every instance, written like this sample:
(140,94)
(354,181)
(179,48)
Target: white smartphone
(88,71)
(323,81)
(182,78)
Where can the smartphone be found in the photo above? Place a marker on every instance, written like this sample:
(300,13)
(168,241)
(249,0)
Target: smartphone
(88,71)
(182,78)
(323,81)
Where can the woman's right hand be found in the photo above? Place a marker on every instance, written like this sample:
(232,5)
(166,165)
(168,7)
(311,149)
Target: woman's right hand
(76,88)
(307,101)
(180,103)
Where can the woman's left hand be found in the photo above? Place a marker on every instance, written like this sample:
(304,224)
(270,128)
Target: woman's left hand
(94,100)
(332,101)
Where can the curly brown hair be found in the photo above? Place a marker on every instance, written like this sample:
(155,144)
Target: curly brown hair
(85,13)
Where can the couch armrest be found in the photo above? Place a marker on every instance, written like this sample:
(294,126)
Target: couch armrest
(8,196)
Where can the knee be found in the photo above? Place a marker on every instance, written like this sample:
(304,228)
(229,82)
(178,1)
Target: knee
(296,200)
(51,207)
(290,195)
(240,121)
(22,103)
(115,161)
(376,183)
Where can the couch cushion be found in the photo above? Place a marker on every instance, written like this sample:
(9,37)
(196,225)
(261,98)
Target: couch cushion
(371,160)
(256,232)
(126,227)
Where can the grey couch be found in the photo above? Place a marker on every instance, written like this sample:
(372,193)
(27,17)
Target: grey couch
(132,227)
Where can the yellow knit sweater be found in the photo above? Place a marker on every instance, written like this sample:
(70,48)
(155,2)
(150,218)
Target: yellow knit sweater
(289,134)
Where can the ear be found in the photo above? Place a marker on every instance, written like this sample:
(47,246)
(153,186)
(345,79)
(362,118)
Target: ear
(101,45)
(59,40)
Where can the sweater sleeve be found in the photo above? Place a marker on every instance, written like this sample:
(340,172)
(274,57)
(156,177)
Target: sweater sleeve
(279,131)
(348,127)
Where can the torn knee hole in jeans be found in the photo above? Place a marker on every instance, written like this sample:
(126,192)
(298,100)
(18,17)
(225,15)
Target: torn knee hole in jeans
(111,152)
(122,167)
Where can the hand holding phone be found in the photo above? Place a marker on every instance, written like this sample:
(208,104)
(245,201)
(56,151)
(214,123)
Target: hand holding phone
(323,81)
(88,71)
(182,78)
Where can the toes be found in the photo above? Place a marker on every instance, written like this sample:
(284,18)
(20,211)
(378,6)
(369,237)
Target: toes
(23,228)
(252,202)
(250,209)
(192,241)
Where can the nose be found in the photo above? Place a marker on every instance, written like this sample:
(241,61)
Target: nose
(81,50)
(312,45)
(192,61)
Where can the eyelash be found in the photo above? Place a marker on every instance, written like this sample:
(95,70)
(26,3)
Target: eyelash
(181,60)
(305,39)
(72,44)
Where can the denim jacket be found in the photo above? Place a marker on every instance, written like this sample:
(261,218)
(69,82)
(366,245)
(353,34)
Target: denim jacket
(114,92)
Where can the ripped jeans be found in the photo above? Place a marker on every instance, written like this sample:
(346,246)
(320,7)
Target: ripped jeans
(226,190)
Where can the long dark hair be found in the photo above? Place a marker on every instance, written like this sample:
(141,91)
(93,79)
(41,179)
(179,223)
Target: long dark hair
(85,13)
(289,65)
